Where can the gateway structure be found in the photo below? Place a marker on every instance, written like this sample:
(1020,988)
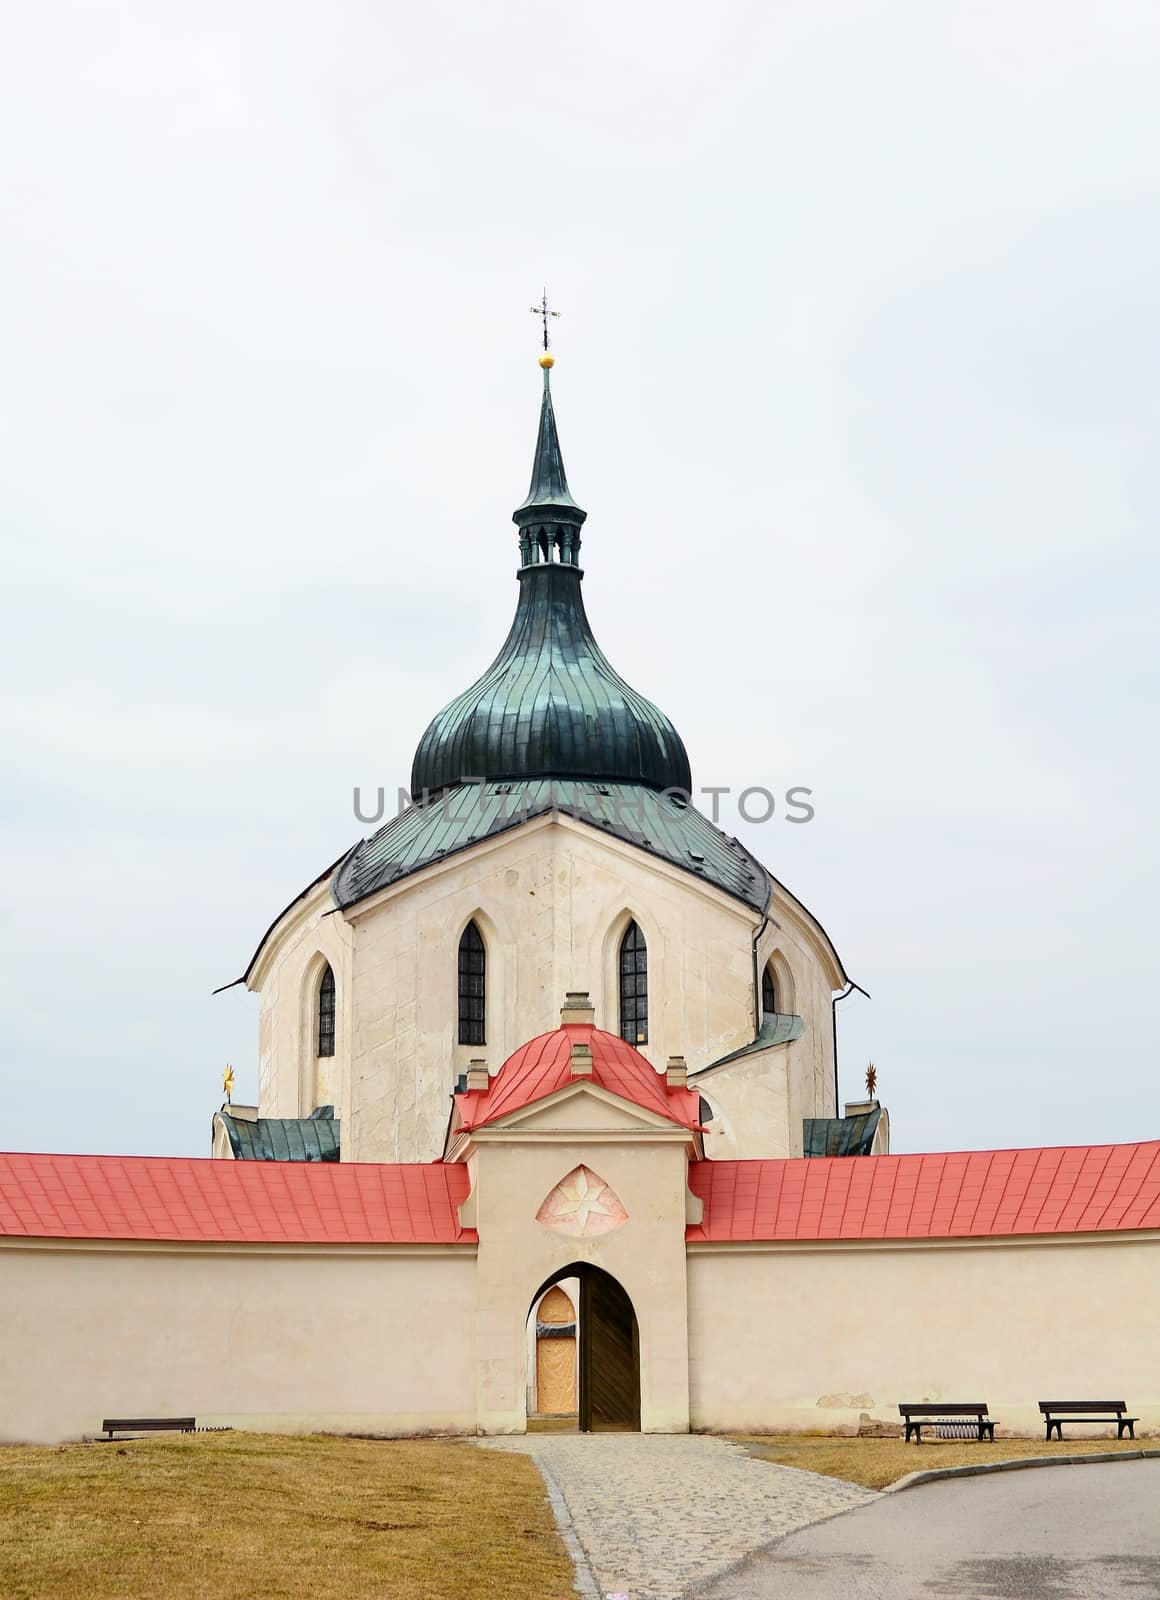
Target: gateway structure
(548,1121)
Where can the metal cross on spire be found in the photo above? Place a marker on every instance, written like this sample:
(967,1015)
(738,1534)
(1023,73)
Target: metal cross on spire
(544,311)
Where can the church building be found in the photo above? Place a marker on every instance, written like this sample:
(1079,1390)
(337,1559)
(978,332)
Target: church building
(548,1123)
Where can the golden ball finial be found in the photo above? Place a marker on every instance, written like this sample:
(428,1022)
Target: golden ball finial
(547,359)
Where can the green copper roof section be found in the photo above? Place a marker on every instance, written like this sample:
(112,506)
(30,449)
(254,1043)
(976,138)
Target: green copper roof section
(313,1138)
(550,706)
(663,825)
(777,1027)
(549,486)
(840,1136)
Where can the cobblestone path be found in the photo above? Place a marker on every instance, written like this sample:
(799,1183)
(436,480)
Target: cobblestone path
(655,1514)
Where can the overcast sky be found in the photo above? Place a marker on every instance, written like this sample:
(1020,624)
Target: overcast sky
(856,379)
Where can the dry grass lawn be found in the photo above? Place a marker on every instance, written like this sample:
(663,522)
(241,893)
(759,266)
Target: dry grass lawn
(877,1462)
(254,1517)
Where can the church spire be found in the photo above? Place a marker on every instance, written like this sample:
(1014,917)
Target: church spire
(551,706)
(549,519)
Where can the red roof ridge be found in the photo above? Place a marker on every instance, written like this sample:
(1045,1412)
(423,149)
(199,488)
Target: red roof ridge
(106,1155)
(985,1150)
(930,1195)
(543,1065)
(198,1199)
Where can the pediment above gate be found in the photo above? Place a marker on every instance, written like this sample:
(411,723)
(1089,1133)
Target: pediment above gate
(583,1109)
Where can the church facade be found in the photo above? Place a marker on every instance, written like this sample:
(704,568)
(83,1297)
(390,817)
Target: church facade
(548,1121)
(554,848)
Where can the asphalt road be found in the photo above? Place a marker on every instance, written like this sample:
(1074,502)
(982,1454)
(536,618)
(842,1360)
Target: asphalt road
(1052,1533)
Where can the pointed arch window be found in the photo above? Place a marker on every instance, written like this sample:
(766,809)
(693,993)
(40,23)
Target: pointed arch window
(768,993)
(326,1013)
(634,986)
(472,986)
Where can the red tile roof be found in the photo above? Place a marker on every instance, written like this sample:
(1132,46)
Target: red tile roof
(257,1202)
(960,1195)
(544,1065)
(967,1194)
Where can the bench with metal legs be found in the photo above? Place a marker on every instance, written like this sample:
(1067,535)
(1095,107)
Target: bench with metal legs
(917,1417)
(1056,1412)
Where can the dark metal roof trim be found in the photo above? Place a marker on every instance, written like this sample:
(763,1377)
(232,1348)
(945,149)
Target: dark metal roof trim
(665,827)
(327,872)
(776,1028)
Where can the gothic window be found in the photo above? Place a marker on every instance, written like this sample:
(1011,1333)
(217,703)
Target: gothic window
(768,993)
(472,978)
(634,986)
(326,1013)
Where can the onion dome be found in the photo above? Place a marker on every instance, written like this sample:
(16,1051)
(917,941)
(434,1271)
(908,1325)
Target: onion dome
(550,705)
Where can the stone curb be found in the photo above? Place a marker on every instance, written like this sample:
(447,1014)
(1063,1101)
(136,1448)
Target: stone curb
(1016,1464)
(585,1584)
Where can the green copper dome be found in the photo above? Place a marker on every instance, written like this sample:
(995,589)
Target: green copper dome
(550,705)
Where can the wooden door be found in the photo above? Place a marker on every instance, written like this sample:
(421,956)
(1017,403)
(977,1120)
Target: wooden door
(555,1375)
(555,1354)
(609,1357)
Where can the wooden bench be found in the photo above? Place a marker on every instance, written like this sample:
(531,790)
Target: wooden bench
(919,1417)
(1055,1411)
(113,1425)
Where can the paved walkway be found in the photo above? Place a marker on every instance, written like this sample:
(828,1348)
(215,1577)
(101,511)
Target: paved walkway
(1053,1533)
(656,1514)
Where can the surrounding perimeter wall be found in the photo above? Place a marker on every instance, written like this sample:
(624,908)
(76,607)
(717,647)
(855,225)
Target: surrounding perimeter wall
(384,1339)
(284,1339)
(818,1337)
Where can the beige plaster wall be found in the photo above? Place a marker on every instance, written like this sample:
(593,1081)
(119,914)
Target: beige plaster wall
(646,1255)
(552,900)
(806,981)
(751,1103)
(815,1337)
(276,1339)
(760,1100)
(292,1079)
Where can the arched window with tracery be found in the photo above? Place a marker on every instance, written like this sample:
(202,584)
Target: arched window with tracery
(472,986)
(768,993)
(326,1013)
(634,986)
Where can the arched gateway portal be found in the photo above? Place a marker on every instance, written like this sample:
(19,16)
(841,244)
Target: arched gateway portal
(609,1398)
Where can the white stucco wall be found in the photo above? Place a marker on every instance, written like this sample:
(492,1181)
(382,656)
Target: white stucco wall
(552,900)
(754,1112)
(806,981)
(277,1338)
(292,1078)
(813,1337)
(398,1340)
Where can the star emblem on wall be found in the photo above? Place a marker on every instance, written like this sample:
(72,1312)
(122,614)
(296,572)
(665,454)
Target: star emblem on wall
(582,1205)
